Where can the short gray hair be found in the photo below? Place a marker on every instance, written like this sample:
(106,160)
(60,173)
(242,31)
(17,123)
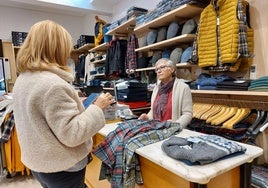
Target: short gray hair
(169,63)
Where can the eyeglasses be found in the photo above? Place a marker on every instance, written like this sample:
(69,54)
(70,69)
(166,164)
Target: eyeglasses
(163,67)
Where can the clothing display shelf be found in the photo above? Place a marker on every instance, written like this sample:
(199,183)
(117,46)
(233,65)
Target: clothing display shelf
(83,48)
(186,38)
(123,29)
(242,99)
(101,61)
(178,65)
(16,49)
(9,51)
(182,13)
(100,48)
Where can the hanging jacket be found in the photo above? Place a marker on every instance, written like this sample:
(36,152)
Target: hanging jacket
(99,35)
(131,55)
(223,34)
(245,61)
(115,58)
(13,155)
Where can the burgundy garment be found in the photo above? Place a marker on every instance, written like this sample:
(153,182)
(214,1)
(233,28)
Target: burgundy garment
(163,98)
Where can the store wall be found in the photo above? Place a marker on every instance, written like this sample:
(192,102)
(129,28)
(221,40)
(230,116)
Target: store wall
(16,19)
(259,22)
(258,19)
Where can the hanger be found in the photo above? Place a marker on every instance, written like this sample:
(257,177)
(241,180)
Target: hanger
(230,112)
(203,109)
(264,127)
(260,127)
(200,108)
(261,115)
(240,114)
(211,112)
(217,115)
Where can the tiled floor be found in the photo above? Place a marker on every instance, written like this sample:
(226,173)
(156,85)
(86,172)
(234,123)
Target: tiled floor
(19,181)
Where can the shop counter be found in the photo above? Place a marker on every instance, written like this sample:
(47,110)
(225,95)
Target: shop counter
(159,170)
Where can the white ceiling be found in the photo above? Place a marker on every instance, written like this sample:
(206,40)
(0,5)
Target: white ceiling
(77,7)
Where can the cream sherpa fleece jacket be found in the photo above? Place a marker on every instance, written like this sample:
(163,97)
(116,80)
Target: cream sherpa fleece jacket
(54,129)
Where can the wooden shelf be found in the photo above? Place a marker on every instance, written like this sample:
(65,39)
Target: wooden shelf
(16,49)
(186,38)
(124,29)
(145,69)
(84,48)
(244,93)
(108,88)
(248,99)
(178,65)
(101,47)
(182,13)
(99,61)
(102,74)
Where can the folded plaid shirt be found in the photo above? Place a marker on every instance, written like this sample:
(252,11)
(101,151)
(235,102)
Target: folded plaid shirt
(119,162)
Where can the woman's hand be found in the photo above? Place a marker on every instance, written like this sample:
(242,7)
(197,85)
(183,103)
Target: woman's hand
(104,100)
(143,117)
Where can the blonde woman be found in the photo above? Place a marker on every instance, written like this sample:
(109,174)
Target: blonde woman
(54,129)
(171,98)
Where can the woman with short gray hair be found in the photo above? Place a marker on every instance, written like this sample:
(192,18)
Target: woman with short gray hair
(171,98)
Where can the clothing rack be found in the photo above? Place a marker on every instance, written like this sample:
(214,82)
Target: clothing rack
(257,101)
(241,99)
(10,153)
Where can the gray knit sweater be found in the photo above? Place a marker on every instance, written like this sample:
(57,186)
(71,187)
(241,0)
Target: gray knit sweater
(54,129)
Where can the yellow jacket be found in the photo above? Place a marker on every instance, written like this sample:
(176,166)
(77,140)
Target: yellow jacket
(13,155)
(218,34)
(99,35)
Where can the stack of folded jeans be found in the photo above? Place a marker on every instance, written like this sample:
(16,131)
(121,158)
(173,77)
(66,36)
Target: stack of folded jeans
(131,91)
(209,82)
(135,12)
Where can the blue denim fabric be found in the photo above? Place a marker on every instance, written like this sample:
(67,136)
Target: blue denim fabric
(175,55)
(179,3)
(189,27)
(163,2)
(61,179)
(166,54)
(107,38)
(140,19)
(162,34)
(186,54)
(208,80)
(173,30)
(113,25)
(151,37)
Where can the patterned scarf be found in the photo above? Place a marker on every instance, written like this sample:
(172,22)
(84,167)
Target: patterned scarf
(163,98)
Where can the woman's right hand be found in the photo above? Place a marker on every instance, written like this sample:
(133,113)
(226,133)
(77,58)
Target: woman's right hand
(143,117)
(104,100)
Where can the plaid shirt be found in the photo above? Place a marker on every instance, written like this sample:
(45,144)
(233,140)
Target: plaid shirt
(7,127)
(131,55)
(120,163)
(243,41)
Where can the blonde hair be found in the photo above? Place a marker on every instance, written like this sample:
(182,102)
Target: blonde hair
(47,44)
